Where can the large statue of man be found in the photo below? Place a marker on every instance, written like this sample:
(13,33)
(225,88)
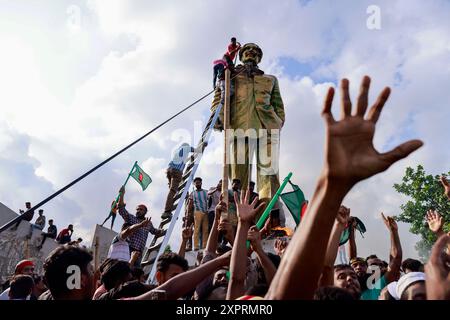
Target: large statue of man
(256,117)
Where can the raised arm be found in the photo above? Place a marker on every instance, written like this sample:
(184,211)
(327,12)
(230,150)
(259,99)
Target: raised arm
(349,158)
(186,234)
(255,241)
(122,211)
(135,227)
(213,239)
(238,266)
(185,282)
(333,245)
(352,250)
(395,255)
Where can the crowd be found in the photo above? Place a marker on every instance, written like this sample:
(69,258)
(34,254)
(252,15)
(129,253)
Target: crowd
(232,263)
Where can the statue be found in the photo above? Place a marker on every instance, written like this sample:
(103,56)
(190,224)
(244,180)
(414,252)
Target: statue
(256,118)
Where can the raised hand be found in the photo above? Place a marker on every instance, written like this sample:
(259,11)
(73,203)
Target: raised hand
(390,223)
(446,186)
(350,154)
(280,246)
(435,221)
(220,207)
(343,216)
(144,223)
(438,271)
(187,232)
(246,212)
(254,237)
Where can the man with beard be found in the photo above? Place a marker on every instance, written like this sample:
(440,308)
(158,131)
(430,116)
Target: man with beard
(346,278)
(139,238)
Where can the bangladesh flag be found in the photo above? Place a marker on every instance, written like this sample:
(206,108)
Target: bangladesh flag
(295,202)
(346,233)
(140,176)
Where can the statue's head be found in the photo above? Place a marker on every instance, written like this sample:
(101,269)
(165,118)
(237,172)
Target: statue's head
(250,52)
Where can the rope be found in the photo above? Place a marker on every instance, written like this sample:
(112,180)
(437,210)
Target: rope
(20,217)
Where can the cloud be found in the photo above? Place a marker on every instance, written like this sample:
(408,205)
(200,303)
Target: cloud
(132,64)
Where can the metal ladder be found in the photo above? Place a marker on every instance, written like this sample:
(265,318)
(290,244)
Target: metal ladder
(157,245)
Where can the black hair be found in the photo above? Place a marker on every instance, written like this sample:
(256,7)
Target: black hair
(198,178)
(222,248)
(233,39)
(236,180)
(332,294)
(413,265)
(252,183)
(115,273)
(21,286)
(166,259)
(137,272)
(57,264)
(342,267)
(372,256)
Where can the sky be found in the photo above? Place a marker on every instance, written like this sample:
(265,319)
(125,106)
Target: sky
(79,80)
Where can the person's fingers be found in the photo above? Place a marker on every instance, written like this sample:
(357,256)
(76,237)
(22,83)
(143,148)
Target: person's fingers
(363,97)
(247,196)
(383,216)
(346,103)
(375,110)
(326,111)
(253,204)
(236,198)
(401,151)
(444,181)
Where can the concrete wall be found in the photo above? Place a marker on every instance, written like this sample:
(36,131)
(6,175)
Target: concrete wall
(105,237)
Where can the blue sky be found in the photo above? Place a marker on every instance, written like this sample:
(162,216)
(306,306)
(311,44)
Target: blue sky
(81,79)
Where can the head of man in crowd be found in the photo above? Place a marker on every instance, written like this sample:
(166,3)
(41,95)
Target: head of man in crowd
(411,286)
(50,222)
(219,185)
(220,285)
(68,273)
(21,287)
(360,266)
(28,205)
(169,265)
(251,186)
(346,278)
(374,262)
(138,274)
(70,227)
(412,265)
(141,211)
(236,184)
(24,267)
(198,183)
(40,212)
(115,273)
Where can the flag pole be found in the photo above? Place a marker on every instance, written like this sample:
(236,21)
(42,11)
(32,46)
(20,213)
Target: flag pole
(126,181)
(226,124)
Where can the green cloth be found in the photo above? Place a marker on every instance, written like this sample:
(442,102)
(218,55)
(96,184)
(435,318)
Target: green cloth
(140,176)
(373,294)
(346,233)
(294,201)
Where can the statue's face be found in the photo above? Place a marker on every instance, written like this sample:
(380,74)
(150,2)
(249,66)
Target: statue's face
(251,54)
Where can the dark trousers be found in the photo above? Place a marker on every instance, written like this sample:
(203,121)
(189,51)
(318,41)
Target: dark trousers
(174,177)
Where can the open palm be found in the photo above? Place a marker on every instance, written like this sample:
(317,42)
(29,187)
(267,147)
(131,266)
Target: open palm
(350,154)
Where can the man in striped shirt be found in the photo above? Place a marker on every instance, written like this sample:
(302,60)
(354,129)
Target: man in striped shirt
(175,173)
(200,199)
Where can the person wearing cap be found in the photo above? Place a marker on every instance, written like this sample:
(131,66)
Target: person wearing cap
(411,286)
(25,267)
(138,240)
(256,110)
(175,173)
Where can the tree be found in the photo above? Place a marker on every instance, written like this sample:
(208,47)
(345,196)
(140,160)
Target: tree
(426,192)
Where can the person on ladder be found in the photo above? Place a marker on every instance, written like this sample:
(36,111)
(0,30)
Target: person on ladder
(175,173)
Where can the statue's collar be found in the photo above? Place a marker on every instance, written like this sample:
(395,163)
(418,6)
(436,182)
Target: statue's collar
(250,70)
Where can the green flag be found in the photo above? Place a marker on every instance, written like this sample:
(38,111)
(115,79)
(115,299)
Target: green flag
(140,176)
(346,233)
(294,201)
